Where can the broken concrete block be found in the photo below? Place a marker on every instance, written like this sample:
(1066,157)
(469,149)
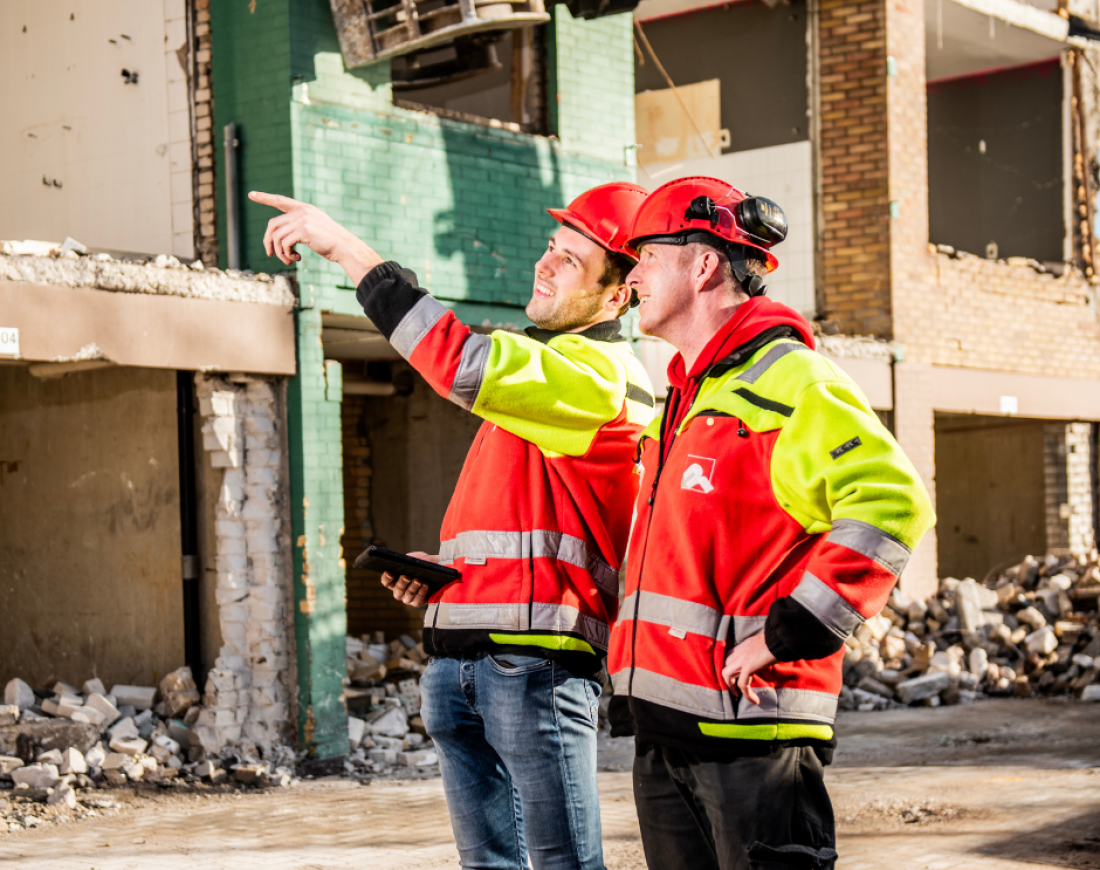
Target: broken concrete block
(383,756)
(1032,617)
(115,761)
(51,756)
(19,693)
(8,763)
(72,761)
(138,697)
(94,686)
(67,706)
(357,729)
(124,728)
(390,722)
(62,795)
(36,775)
(249,774)
(100,702)
(179,732)
(95,756)
(129,745)
(134,769)
(971,600)
(179,692)
(87,715)
(1042,642)
(1091,693)
(143,721)
(275,779)
(418,758)
(32,792)
(114,776)
(979,663)
(9,714)
(168,743)
(923,687)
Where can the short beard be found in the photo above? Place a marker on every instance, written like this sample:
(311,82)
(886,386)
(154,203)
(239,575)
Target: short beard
(570,315)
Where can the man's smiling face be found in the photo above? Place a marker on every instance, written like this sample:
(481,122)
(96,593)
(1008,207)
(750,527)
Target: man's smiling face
(567,292)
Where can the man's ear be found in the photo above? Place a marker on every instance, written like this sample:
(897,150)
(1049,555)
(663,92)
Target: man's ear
(619,297)
(707,268)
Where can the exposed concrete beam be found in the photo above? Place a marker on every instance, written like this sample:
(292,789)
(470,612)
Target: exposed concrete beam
(69,326)
(60,369)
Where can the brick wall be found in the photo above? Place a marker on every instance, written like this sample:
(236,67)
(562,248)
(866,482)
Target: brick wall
(996,315)
(202,95)
(854,235)
(1069,469)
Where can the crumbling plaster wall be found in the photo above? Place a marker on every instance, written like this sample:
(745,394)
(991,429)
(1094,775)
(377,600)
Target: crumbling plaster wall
(89,526)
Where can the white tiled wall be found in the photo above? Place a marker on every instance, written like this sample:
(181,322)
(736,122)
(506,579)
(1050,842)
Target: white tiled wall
(781,173)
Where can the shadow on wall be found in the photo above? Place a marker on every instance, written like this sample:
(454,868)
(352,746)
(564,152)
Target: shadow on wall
(498,223)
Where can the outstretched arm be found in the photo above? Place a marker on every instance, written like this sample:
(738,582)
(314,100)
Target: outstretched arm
(301,223)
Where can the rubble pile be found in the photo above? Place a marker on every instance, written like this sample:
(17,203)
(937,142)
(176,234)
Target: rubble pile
(61,741)
(1032,629)
(386,735)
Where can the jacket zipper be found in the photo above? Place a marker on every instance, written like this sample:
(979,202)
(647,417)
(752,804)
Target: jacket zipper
(662,457)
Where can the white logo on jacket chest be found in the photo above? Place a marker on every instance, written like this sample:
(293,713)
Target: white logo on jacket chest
(698,474)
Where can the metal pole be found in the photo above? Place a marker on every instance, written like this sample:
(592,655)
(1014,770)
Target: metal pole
(232,215)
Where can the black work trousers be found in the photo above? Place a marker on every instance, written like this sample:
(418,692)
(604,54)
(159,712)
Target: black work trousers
(747,813)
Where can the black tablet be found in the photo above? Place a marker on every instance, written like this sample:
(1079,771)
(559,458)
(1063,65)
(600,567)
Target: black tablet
(380,559)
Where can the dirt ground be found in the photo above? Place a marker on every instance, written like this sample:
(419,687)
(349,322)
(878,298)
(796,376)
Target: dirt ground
(996,785)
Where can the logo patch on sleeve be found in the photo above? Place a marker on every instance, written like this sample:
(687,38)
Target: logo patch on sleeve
(846,447)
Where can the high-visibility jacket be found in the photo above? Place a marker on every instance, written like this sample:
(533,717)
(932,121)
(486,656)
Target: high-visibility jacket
(539,520)
(777,503)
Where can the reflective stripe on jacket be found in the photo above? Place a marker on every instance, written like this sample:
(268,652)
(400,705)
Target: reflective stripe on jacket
(782,506)
(540,516)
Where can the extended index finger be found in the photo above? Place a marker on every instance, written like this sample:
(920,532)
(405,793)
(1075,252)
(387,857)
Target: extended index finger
(275,200)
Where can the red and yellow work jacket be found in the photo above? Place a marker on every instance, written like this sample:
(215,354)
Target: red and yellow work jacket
(772,500)
(540,517)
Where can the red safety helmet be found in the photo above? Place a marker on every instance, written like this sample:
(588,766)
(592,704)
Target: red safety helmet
(604,214)
(698,209)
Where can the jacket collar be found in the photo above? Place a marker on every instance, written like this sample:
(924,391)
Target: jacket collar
(608,330)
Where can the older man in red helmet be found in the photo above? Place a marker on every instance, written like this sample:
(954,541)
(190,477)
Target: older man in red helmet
(537,525)
(775,514)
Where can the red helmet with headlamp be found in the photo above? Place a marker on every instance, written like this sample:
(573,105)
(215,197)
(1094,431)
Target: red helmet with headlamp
(604,214)
(698,209)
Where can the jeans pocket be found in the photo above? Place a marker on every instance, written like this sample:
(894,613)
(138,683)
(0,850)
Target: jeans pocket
(512,665)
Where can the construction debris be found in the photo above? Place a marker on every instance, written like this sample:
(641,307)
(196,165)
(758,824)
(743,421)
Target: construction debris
(59,744)
(1031,629)
(385,732)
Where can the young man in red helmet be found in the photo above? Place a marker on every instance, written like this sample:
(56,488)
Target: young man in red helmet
(775,514)
(537,525)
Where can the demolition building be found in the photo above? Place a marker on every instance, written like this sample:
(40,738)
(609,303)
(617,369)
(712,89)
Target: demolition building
(192,456)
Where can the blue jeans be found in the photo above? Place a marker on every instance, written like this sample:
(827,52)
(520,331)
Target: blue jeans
(516,737)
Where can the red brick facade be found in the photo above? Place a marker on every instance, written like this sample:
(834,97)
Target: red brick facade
(854,285)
